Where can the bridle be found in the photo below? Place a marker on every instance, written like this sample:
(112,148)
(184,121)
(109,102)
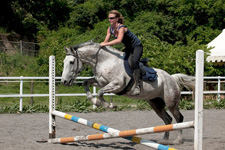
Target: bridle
(77,56)
(77,68)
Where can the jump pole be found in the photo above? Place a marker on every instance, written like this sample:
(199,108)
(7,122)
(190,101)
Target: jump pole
(198,133)
(129,135)
(113,133)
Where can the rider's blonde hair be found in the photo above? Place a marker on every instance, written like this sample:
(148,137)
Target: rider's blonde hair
(119,15)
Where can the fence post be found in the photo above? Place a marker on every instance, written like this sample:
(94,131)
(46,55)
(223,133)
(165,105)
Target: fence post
(21,47)
(21,93)
(199,100)
(218,94)
(32,92)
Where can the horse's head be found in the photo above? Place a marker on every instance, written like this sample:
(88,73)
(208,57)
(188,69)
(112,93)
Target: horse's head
(72,66)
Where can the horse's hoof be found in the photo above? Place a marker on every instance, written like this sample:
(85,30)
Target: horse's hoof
(178,141)
(96,101)
(111,106)
(136,91)
(105,105)
(170,142)
(164,142)
(108,105)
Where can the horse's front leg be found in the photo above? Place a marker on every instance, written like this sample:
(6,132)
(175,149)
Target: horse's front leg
(90,97)
(112,87)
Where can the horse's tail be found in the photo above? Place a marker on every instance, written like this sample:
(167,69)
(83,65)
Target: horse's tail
(186,81)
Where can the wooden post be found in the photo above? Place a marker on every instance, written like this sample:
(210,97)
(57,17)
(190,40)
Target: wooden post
(21,47)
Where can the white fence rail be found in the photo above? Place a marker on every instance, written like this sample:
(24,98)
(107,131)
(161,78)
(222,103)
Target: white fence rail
(21,80)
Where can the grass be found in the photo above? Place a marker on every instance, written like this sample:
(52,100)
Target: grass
(76,104)
(69,103)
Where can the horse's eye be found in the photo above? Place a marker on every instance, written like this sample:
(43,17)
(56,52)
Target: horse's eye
(72,62)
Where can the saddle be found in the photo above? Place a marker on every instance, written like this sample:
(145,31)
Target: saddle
(147,73)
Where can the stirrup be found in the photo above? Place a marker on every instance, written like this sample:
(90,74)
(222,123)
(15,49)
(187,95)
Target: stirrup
(136,91)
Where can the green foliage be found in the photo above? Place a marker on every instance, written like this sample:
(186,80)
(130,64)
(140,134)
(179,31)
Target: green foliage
(155,24)
(170,31)
(27,17)
(172,58)
(77,106)
(7,109)
(187,105)
(84,106)
(87,14)
(5,65)
(207,104)
(17,65)
(143,105)
(214,104)
(54,45)
(35,108)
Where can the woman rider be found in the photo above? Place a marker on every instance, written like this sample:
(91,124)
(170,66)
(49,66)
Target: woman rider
(132,44)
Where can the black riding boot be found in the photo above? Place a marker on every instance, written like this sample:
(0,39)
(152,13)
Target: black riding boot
(137,88)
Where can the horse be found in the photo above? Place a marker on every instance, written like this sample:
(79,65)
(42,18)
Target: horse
(111,77)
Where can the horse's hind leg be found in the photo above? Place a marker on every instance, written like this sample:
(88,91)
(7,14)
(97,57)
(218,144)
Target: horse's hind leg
(179,118)
(158,105)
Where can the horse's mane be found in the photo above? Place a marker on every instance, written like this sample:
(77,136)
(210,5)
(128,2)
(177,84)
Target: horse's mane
(91,43)
(84,44)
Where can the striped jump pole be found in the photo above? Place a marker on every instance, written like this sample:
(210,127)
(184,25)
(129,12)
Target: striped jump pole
(113,133)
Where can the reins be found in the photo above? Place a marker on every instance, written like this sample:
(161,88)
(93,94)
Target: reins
(77,70)
(96,55)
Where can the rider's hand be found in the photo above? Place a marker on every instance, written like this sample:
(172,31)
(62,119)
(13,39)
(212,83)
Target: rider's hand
(102,44)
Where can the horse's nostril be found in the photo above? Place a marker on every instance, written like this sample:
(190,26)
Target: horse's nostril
(64,82)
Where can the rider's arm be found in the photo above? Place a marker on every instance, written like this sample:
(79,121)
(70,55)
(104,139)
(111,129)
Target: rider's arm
(116,41)
(107,36)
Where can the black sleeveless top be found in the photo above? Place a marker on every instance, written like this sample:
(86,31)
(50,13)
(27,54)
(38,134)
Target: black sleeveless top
(129,39)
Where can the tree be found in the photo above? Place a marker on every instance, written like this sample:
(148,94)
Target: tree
(27,17)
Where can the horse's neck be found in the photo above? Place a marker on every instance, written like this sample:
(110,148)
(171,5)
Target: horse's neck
(87,55)
(92,56)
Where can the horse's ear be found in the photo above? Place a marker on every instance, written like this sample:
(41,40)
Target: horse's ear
(66,49)
(71,48)
(70,51)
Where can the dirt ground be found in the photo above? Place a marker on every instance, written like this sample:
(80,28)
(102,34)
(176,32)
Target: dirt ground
(22,131)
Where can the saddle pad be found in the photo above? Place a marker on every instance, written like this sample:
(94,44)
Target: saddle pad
(150,73)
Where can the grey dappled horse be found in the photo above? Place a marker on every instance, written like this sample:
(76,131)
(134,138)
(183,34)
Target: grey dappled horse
(110,75)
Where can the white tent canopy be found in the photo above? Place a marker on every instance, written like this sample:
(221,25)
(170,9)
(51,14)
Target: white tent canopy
(218,52)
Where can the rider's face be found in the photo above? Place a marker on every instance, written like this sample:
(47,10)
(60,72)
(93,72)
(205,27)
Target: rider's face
(112,19)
